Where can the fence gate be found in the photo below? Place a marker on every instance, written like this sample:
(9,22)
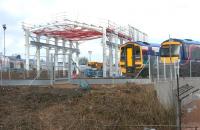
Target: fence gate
(63,67)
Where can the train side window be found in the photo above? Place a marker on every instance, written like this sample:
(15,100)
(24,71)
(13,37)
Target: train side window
(123,53)
(137,52)
(145,56)
(186,51)
(195,52)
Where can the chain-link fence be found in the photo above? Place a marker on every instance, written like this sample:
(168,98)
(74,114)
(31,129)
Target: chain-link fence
(162,71)
(154,69)
(167,71)
(10,72)
(60,68)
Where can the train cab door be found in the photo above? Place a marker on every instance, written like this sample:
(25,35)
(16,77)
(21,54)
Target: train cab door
(129,57)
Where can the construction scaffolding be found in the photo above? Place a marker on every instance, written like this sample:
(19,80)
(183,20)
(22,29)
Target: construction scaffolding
(71,33)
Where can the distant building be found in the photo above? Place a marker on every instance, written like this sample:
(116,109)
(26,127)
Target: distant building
(11,62)
(15,62)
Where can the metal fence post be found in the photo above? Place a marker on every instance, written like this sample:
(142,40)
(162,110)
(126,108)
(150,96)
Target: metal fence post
(149,66)
(175,72)
(9,77)
(190,68)
(164,69)
(178,66)
(24,74)
(1,74)
(178,107)
(158,73)
(171,76)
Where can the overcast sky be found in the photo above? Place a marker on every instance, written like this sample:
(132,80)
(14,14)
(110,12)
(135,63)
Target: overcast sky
(158,18)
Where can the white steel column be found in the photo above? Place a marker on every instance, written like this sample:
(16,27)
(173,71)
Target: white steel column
(138,35)
(48,57)
(38,55)
(27,51)
(70,61)
(64,58)
(56,55)
(104,52)
(133,35)
(77,56)
(52,74)
(116,58)
(47,53)
(110,57)
(121,41)
(144,37)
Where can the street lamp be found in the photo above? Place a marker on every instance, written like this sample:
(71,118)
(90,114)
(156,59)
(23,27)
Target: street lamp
(4,28)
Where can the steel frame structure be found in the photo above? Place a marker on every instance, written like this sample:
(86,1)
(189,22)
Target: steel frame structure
(73,32)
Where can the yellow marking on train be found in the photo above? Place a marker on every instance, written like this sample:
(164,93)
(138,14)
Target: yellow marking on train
(129,57)
(138,63)
(123,70)
(171,42)
(141,55)
(169,60)
(122,63)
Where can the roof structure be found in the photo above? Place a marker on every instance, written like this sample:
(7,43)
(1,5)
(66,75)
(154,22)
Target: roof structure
(71,33)
(78,31)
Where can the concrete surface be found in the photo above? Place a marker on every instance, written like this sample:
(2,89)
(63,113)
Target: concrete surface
(111,81)
(166,90)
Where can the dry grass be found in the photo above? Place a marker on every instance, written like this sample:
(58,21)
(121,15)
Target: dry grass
(63,108)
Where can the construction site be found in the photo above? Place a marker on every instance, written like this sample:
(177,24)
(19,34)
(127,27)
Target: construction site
(56,88)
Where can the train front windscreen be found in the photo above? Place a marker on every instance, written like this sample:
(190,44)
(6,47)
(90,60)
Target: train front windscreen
(170,50)
(169,53)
